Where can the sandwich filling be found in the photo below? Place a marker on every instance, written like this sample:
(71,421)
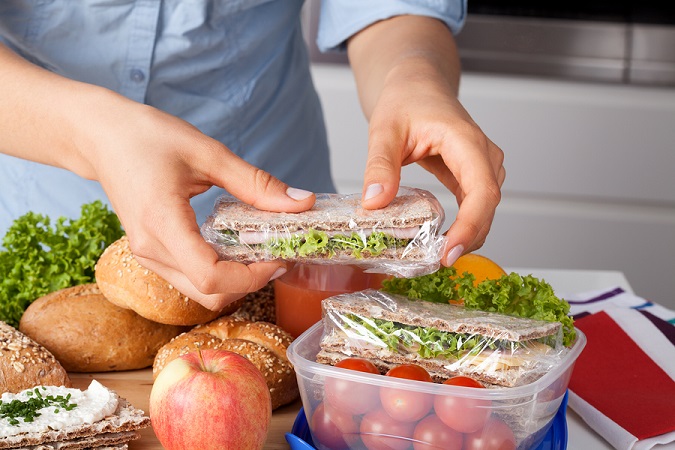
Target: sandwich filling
(324,243)
(431,343)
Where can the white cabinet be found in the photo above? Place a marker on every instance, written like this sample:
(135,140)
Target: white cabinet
(590,171)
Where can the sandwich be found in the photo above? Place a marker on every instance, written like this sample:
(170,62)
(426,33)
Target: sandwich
(447,340)
(336,228)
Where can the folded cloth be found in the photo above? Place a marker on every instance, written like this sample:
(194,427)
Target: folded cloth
(623,384)
(598,300)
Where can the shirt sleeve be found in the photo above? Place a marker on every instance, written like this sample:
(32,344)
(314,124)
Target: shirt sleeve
(341,19)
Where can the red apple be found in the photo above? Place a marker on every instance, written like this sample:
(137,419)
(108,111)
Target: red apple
(212,399)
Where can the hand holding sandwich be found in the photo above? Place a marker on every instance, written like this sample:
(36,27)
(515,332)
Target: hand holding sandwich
(150,164)
(154,204)
(407,72)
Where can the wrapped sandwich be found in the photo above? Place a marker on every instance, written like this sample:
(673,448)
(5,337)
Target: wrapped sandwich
(401,239)
(446,340)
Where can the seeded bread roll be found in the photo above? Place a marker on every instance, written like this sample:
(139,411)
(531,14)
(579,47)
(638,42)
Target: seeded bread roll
(259,306)
(25,364)
(262,343)
(87,333)
(127,284)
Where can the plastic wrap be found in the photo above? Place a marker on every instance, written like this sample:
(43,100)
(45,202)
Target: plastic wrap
(445,339)
(402,239)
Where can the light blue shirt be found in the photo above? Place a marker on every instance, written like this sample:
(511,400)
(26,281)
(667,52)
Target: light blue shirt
(236,69)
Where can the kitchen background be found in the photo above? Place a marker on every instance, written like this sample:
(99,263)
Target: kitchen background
(580,95)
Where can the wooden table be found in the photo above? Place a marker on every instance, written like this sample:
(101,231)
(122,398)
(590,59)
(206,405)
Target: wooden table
(135,386)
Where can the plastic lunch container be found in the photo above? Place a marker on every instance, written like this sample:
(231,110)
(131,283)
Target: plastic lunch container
(356,420)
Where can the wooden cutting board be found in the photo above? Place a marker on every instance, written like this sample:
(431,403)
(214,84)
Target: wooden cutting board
(135,386)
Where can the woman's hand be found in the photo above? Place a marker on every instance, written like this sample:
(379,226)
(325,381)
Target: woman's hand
(150,164)
(407,71)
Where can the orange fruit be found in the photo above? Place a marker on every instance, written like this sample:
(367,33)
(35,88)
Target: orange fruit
(481,267)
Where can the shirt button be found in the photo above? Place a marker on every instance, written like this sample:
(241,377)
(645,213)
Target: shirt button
(137,75)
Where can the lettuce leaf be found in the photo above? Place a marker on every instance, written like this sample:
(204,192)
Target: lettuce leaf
(41,257)
(437,287)
(523,296)
(427,342)
(512,294)
(319,243)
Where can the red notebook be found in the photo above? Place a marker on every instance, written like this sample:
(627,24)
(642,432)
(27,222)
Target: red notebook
(616,377)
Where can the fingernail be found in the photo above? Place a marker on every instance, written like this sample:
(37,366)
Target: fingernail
(279,272)
(373,190)
(453,255)
(297,194)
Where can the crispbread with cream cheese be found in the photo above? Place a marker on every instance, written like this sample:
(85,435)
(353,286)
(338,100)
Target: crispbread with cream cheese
(126,419)
(103,441)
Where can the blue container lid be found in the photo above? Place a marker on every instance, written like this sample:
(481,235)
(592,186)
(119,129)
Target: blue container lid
(555,438)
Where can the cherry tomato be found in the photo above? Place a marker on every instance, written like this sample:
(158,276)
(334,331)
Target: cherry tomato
(350,396)
(359,364)
(333,428)
(407,405)
(410,372)
(495,435)
(462,413)
(463,381)
(432,434)
(380,432)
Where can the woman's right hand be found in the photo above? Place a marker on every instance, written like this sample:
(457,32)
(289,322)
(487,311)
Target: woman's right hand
(150,164)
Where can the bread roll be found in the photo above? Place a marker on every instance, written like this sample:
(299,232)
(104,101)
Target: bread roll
(25,364)
(127,284)
(259,306)
(87,333)
(262,343)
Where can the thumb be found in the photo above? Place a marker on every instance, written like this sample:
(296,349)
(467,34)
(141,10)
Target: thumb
(383,169)
(257,187)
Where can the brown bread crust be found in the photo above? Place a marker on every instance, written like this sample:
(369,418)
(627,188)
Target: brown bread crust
(25,364)
(103,441)
(259,306)
(262,343)
(331,212)
(127,284)
(87,333)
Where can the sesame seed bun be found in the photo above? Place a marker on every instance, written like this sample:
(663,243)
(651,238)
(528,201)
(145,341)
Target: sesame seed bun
(87,333)
(127,284)
(262,343)
(25,364)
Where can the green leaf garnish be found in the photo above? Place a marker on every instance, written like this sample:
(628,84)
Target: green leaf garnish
(40,257)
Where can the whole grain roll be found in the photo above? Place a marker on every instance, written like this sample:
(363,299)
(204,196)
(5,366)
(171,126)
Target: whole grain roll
(25,364)
(127,284)
(87,333)
(259,306)
(262,343)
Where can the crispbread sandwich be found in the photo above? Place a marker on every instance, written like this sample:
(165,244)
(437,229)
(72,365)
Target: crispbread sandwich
(446,340)
(335,228)
(64,418)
